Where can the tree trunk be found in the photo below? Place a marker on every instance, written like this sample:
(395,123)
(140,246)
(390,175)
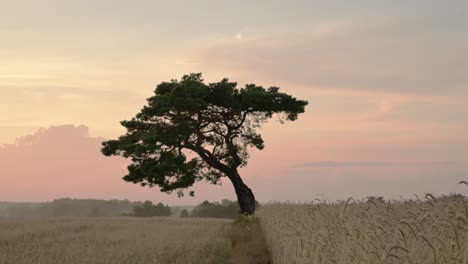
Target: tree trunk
(245,197)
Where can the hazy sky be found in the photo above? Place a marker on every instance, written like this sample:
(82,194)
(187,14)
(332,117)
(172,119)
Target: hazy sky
(386,81)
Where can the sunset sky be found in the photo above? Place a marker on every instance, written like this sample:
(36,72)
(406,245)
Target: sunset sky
(386,81)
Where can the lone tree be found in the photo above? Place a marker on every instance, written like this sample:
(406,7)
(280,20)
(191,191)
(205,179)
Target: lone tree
(191,131)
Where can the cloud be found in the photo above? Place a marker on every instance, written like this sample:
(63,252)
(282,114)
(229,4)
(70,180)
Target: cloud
(368,164)
(61,156)
(60,161)
(333,184)
(418,111)
(54,92)
(358,179)
(240,35)
(376,56)
(340,164)
(65,161)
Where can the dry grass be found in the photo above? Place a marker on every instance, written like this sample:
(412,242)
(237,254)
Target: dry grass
(431,231)
(114,241)
(413,232)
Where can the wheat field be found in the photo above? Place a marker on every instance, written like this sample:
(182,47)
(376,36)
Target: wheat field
(389,232)
(114,241)
(416,232)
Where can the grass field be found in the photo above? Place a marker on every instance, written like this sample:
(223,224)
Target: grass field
(423,232)
(347,232)
(114,241)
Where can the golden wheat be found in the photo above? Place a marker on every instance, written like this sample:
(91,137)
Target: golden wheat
(416,232)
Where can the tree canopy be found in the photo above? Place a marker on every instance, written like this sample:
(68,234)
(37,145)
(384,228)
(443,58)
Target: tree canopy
(191,131)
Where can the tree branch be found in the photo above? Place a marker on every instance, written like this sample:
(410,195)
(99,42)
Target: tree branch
(210,159)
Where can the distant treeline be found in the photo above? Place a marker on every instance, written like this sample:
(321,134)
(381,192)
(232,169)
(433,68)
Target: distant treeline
(68,207)
(148,209)
(224,209)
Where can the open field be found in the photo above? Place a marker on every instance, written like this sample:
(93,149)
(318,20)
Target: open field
(376,231)
(424,232)
(114,240)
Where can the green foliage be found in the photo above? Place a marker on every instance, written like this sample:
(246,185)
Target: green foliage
(225,209)
(190,131)
(148,209)
(244,219)
(184,213)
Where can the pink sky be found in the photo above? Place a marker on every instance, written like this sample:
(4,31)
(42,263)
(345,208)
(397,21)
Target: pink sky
(387,88)
(64,161)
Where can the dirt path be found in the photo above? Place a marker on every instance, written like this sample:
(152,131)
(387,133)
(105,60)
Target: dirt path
(249,245)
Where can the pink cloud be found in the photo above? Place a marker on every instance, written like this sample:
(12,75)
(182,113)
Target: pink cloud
(58,161)
(65,161)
